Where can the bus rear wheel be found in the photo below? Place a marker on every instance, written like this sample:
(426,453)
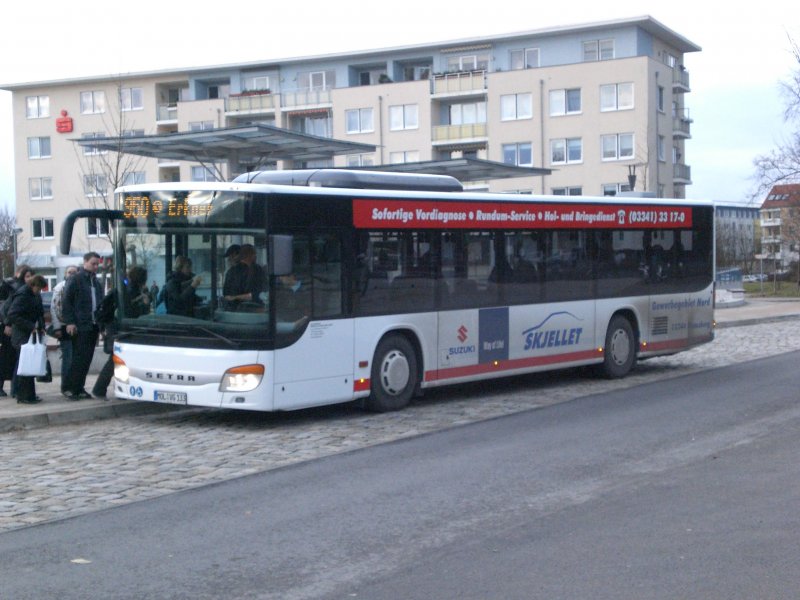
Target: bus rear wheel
(394,374)
(620,349)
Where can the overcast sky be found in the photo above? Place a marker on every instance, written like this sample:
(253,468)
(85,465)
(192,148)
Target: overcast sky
(735,100)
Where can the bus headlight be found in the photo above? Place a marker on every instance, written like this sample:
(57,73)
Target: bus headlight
(242,379)
(121,371)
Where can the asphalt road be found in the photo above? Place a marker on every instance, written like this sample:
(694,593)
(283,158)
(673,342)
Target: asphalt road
(680,488)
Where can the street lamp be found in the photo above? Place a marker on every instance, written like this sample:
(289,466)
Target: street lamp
(16,231)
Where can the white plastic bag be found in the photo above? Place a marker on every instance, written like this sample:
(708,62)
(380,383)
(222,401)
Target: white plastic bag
(33,357)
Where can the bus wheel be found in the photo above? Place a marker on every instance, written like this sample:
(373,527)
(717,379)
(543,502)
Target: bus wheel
(394,374)
(620,348)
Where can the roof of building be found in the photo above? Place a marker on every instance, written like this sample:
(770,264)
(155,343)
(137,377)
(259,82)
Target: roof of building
(782,196)
(645,22)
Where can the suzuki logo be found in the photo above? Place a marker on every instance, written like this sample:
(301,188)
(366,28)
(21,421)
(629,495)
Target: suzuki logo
(462,334)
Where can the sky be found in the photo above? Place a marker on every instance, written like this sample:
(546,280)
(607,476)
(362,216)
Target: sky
(735,100)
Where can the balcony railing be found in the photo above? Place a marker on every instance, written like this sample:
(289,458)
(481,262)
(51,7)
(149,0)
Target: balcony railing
(305,98)
(167,112)
(458,133)
(680,80)
(252,103)
(681,174)
(681,126)
(459,83)
(773,222)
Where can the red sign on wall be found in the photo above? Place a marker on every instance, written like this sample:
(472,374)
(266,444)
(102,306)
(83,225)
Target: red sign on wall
(426,214)
(64,123)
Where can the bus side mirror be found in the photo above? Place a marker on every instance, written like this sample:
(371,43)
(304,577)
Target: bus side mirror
(280,254)
(68,225)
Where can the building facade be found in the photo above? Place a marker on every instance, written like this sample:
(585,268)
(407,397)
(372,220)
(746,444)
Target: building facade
(737,234)
(594,103)
(780,228)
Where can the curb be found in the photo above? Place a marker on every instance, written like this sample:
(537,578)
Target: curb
(756,321)
(109,410)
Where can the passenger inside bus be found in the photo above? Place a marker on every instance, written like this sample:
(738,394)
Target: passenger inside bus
(244,283)
(180,294)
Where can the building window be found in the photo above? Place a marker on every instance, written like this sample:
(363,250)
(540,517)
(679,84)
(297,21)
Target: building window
(467,113)
(618,146)
(527,58)
(660,98)
(359,120)
(93,102)
(516,106)
(566,151)
(256,83)
(468,62)
(616,96)
(95,185)
(360,160)
(131,99)
(40,188)
(316,81)
(405,116)
(518,154)
(598,50)
(38,147)
(201,173)
(89,150)
(96,227)
(662,148)
(37,107)
(408,156)
(42,229)
(612,189)
(134,177)
(565,102)
(201,125)
(132,132)
(576,190)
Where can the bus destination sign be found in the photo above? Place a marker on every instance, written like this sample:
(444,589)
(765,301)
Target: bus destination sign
(423,214)
(143,207)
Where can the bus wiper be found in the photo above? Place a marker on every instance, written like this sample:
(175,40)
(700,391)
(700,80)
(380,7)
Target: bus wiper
(219,336)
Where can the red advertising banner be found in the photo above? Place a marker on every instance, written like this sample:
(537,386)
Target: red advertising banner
(427,214)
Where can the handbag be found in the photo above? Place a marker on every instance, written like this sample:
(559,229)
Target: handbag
(48,376)
(32,357)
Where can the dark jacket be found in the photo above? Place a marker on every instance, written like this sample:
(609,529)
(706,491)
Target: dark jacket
(77,300)
(179,295)
(25,315)
(7,289)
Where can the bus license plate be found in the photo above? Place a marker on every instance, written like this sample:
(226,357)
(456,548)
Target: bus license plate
(171,397)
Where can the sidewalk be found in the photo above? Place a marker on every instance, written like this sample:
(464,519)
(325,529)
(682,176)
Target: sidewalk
(55,409)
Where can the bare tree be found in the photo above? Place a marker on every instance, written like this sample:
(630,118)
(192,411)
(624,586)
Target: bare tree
(101,171)
(782,164)
(8,223)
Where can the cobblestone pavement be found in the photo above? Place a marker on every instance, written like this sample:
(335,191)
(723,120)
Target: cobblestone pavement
(67,470)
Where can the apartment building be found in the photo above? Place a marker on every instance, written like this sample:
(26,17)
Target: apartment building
(594,103)
(780,228)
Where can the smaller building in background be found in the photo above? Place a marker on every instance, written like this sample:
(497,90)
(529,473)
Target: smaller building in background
(780,228)
(737,232)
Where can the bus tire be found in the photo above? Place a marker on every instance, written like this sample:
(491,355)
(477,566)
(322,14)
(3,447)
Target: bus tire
(620,349)
(394,375)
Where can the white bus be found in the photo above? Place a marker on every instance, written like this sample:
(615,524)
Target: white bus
(400,283)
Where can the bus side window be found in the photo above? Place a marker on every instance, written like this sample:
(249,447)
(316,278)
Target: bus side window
(327,275)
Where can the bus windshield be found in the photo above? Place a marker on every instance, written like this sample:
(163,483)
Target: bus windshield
(196,268)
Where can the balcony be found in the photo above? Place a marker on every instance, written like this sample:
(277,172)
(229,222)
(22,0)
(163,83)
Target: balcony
(167,113)
(451,134)
(773,222)
(252,103)
(680,80)
(681,126)
(463,83)
(681,174)
(302,99)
